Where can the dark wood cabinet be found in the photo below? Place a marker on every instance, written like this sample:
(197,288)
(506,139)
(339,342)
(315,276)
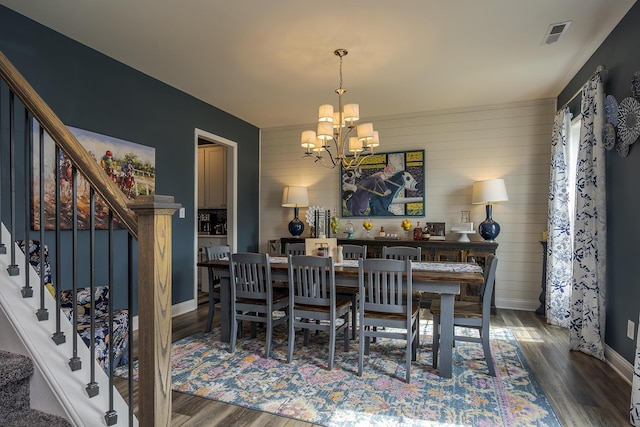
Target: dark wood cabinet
(432,250)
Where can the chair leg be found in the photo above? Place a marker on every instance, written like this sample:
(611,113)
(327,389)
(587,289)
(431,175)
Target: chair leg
(332,343)
(234,331)
(415,342)
(354,315)
(269,333)
(436,339)
(212,306)
(409,355)
(346,333)
(487,351)
(361,350)
(292,336)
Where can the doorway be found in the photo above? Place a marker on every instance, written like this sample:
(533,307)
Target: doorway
(231,193)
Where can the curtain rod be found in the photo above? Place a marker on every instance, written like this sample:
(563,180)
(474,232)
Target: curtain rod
(599,70)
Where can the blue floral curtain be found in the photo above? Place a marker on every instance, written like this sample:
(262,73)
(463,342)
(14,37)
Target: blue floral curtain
(634,416)
(586,331)
(560,240)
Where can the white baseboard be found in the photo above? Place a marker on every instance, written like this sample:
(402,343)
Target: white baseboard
(517,304)
(619,364)
(176,310)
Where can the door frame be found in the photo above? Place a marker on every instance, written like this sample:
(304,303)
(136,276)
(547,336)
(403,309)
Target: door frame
(232,192)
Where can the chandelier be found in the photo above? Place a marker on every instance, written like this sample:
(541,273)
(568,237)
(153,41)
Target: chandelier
(334,142)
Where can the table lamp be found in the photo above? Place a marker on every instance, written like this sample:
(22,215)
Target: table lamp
(490,191)
(295,197)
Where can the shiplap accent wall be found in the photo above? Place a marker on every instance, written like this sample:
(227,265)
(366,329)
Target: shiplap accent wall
(510,141)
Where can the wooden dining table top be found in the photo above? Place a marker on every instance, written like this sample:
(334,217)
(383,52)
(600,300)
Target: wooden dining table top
(419,272)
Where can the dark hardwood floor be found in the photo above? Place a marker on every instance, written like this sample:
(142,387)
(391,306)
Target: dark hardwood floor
(582,390)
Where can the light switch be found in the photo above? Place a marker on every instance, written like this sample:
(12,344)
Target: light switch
(182,212)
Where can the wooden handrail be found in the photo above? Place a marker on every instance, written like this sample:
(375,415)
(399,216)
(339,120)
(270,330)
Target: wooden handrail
(81,159)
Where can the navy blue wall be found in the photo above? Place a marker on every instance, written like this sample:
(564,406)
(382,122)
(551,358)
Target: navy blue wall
(91,91)
(619,54)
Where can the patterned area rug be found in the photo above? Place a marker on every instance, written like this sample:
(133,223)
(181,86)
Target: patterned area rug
(305,390)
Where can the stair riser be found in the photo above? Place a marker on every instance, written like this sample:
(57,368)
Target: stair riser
(14,397)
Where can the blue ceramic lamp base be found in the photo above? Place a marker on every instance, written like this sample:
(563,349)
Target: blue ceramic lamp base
(489,229)
(296,227)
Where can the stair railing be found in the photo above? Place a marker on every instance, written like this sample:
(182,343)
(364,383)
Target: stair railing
(147,220)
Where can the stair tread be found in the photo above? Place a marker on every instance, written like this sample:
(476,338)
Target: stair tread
(34,418)
(14,367)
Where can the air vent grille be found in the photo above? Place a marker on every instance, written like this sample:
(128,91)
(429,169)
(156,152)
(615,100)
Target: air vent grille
(555,31)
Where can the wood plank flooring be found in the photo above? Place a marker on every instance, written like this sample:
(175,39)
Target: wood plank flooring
(582,390)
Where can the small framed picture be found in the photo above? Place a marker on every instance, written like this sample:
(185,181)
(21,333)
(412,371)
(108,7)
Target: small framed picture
(436,229)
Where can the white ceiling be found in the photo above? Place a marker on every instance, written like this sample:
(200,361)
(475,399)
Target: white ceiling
(271,63)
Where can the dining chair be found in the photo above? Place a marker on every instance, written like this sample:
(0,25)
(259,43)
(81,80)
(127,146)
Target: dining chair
(214,253)
(295,249)
(405,252)
(385,310)
(402,252)
(352,252)
(470,314)
(253,297)
(314,302)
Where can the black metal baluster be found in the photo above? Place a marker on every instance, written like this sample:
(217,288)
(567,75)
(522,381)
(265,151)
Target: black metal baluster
(42,313)
(92,388)
(58,336)
(111,416)
(3,248)
(13,268)
(74,363)
(27,186)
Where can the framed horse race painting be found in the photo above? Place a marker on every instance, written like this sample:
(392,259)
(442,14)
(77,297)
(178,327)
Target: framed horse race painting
(385,185)
(131,166)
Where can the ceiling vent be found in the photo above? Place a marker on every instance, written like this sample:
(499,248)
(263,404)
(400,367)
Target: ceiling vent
(555,31)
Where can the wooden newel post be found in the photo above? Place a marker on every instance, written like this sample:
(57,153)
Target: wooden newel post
(154,308)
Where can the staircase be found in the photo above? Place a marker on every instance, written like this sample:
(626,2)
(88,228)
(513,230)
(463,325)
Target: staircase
(30,318)
(15,410)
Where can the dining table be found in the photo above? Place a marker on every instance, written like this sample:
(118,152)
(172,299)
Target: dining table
(443,278)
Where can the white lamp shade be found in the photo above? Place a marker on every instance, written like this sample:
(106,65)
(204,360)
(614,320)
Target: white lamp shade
(365,131)
(325,113)
(336,119)
(490,191)
(295,197)
(355,145)
(325,130)
(375,141)
(308,139)
(351,112)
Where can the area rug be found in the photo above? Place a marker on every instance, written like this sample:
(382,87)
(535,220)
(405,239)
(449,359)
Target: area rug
(305,390)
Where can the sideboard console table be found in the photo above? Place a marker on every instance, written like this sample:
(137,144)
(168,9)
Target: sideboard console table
(432,250)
